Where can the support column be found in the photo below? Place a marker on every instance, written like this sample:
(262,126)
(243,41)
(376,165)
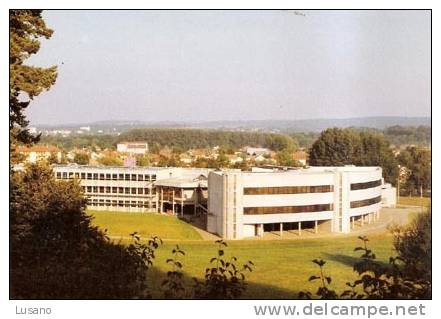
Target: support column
(362,220)
(316,227)
(161,210)
(300,228)
(369,218)
(260,230)
(182,206)
(281,230)
(173,201)
(353,222)
(194,207)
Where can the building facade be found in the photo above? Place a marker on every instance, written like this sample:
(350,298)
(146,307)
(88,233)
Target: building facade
(135,148)
(240,204)
(245,204)
(138,189)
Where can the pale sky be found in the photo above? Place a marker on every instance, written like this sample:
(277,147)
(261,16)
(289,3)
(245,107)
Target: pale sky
(234,65)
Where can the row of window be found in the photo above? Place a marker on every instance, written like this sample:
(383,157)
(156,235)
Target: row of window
(107,176)
(121,203)
(119,190)
(357,186)
(288,190)
(287,209)
(365,202)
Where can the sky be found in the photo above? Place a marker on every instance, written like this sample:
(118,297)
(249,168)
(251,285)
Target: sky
(234,65)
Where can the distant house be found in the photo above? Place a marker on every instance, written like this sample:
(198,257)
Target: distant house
(140,148)
(255,151)
(39,152)
(185,158)
(300,156)
(233,159)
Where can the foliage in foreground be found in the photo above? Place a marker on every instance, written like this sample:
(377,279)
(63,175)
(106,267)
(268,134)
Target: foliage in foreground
(376,280)
(56,252)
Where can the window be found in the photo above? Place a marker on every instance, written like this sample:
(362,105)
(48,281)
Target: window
(127,177)
(121,177)
(121,190)
(114,190)
(59,175)
(114,177)
(153,177)
(133,177)
(127,190)
(287,190)
(140,191)
(71,174)
(140,177)
(89,189)
(101,177)
(89,175)
(372,184)
(95,189)
(108,176)
(108,189)
(134,190)
(95,176)
(365,202)
(83,175)
(146,191)
(287,209)
(101,189)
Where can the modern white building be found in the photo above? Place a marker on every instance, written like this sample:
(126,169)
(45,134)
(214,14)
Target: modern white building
(139,189)
(245,204)
(239,204)
(138,148)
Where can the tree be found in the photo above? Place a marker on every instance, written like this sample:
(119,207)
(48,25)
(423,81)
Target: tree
(376,151)
(81,158)
(56,252)
(418,162)
(284,158)
(108,160)
(143,160)
(26,82)
(336,147)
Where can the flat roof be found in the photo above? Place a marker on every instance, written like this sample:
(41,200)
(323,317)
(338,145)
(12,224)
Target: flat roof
(126,168)
(181,182)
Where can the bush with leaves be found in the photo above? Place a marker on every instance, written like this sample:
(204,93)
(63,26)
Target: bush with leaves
(323,291)
(173,285)
(376,280)
(56,252)
(224,280)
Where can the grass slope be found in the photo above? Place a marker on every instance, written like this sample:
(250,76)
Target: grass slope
(414,201)
(282,267)
(121,224)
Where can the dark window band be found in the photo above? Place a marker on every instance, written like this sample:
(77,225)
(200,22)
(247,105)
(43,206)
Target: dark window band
(287,209)
(357,186)
(365,202)
(287,190)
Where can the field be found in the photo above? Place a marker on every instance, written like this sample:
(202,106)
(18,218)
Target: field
(414,201)
(282,267)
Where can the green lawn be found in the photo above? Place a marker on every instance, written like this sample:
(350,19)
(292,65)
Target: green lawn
(282,267)
(414,201)
(121,224)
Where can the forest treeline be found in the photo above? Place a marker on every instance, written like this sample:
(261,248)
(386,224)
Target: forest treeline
(185,139)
